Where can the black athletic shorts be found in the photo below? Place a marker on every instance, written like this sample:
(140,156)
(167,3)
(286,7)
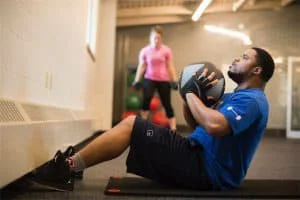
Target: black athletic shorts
(159,154)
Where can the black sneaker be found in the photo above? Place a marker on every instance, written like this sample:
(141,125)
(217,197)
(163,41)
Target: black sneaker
(70,151)
(55,174)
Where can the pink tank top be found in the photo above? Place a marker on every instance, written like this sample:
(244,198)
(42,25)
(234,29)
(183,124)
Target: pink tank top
(156,62)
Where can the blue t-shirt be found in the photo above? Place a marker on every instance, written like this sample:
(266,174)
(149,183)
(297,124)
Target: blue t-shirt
(228,158)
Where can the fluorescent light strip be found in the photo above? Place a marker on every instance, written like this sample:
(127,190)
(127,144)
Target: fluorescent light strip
(197,14)
(236,34)
(237,4)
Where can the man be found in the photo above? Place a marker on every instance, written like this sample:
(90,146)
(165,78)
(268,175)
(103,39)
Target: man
(216,155)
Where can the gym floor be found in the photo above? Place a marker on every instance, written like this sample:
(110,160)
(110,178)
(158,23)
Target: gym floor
(277,158)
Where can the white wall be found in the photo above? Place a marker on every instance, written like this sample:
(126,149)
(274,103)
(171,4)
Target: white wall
(43,56)
(100,85)
(276,91)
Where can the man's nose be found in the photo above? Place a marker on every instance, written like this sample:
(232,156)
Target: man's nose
(236,59)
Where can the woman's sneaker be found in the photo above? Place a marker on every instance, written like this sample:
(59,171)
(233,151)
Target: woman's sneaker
(55,174)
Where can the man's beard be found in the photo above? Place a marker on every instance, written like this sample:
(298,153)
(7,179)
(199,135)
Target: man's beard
(236,77)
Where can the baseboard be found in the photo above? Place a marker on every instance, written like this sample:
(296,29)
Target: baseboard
(272,132)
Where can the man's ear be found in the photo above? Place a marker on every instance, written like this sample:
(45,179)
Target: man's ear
(257,70)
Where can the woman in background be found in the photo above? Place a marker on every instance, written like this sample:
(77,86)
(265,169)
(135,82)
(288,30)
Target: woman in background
(157,67)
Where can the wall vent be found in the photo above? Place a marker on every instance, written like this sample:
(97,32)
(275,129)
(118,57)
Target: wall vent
(9,112)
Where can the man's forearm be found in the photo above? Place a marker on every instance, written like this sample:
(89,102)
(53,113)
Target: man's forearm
(189,117)
(211,120)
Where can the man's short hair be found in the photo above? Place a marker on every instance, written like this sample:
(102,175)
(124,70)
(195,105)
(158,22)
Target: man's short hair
(265,60)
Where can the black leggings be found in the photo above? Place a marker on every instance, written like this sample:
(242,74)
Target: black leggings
(164,91)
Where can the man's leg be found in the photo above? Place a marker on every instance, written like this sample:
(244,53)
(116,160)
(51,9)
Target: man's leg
(108,145)
(58,173)
(157,153)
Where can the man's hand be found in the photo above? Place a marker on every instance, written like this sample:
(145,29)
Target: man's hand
(199,84)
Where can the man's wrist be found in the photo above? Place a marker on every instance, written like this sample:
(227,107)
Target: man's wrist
(188,93)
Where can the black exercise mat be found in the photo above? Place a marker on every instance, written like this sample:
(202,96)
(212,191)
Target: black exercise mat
(249,189)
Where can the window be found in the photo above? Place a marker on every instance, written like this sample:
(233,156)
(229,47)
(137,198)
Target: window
(92,21)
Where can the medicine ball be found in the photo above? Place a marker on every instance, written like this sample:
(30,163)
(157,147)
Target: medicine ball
(154,103)
(133,101)
(212,94)
(127,114)
(160,118)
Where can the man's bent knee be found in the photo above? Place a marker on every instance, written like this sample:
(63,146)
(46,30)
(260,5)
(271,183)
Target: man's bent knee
(129,121)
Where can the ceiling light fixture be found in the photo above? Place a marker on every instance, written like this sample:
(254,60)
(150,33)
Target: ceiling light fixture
(199,11)
(232,33)
(237,5)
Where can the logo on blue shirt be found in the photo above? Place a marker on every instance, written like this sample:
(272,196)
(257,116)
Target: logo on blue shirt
(237,117)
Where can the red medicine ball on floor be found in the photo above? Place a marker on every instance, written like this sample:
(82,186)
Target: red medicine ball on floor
(155,103)
(160,118)
(128,113)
